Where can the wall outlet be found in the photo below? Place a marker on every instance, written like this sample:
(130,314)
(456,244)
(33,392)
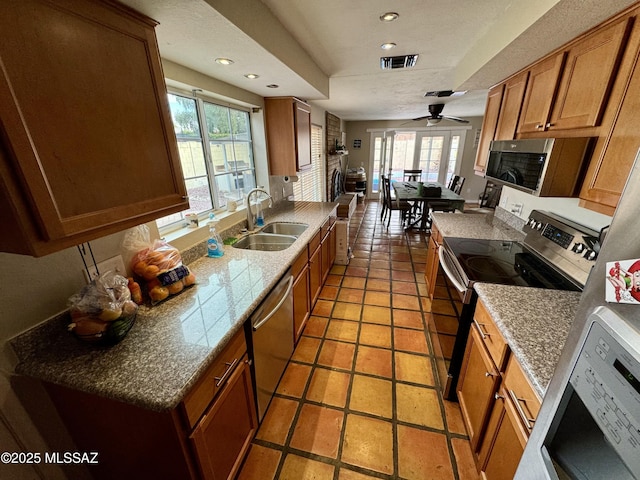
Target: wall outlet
(115,264)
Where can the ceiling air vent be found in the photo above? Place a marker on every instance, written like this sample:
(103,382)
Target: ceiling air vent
(439,93)
(401,61)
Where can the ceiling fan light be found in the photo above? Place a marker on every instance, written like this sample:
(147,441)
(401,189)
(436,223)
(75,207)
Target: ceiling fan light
(388,46)
(433,121)
(389,17)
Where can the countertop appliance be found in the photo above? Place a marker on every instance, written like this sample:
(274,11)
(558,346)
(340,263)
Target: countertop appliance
(556,253)
(540,166)
(271,334)
(588,426)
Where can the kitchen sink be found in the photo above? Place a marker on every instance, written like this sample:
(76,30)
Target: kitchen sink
(285,228)
(268,242)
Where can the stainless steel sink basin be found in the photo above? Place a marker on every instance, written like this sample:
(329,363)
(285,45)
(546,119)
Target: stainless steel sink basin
(267,242)
(286,228)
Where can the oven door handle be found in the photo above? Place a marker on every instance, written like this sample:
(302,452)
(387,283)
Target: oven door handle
(454,278)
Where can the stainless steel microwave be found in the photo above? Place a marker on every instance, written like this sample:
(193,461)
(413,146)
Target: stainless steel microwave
(543,166)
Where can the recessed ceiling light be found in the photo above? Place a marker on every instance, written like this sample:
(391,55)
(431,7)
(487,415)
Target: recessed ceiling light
(252,76)
(387,46)
(389,17)
(224,61)
(273,85)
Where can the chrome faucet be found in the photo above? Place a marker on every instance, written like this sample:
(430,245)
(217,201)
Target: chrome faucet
(250,217)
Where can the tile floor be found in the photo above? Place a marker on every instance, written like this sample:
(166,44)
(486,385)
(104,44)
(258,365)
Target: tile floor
(358,399)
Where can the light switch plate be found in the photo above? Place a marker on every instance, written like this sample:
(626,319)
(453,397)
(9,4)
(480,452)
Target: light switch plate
(115,264)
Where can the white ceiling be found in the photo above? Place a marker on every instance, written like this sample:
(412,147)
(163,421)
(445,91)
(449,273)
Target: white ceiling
(329,51)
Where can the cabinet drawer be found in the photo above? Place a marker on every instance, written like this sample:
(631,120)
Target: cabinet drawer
(314,243)
(521,393)
(491,336)
(300,263)
(213,379)
(326,226)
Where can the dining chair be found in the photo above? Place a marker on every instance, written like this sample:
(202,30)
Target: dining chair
(392,205)
(412,175)
(455,185)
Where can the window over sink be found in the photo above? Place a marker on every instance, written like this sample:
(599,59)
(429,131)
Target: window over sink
(216,153)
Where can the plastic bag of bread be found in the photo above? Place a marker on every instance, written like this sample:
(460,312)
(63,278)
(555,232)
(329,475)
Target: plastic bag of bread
(103,312)
(157,264)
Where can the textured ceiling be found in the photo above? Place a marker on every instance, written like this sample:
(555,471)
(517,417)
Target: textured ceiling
(328,51)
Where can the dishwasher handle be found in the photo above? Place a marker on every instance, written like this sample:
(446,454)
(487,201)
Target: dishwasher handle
(457,282)
(277,307)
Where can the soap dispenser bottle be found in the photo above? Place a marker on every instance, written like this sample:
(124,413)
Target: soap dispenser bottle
(214,243)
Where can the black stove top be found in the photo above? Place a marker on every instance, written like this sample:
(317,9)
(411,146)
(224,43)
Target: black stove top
(505,262)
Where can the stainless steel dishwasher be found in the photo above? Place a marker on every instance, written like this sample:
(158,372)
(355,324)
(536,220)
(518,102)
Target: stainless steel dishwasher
(272,340)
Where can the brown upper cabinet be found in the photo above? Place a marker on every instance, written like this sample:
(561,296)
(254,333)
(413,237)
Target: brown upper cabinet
(571,88)
(514,89)
(489,126)
(87,146)
(288,124)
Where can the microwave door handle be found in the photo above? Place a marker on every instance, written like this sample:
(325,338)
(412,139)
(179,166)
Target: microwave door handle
(454,279)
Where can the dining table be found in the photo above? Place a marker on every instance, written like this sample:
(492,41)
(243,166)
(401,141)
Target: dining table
(409,192)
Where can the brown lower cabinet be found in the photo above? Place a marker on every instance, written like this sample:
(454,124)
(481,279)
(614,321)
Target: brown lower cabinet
(498,404)
(206,436)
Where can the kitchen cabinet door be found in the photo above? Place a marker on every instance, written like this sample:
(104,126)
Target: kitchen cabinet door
(615,151)
(224,434)
(489,125)
(301,302)
(328,246)
(540,93)
(511,105)
(88,146)
(588,75)
(431,267)
(477,386)
(315,275)
(288,125)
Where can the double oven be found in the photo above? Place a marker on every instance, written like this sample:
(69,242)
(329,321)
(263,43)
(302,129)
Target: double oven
(556,253)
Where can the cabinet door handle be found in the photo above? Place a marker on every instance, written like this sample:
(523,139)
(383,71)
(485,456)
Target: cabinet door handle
(550,125)
(540,125)
(489,374)
(227,372)
(483,332)
(497,396)
(526,420)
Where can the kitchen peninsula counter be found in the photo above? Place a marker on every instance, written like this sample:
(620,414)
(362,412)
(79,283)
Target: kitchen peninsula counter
(171,344)
(535,323)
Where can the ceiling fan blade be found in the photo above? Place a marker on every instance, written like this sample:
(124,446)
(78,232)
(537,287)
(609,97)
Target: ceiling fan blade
(421,118)
(456,119)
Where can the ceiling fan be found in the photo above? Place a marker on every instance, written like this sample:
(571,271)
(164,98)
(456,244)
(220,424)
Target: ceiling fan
(434,116)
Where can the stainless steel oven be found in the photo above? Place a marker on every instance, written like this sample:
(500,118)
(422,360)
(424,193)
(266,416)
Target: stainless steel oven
(556,253)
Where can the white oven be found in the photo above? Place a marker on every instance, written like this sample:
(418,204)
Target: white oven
(593,431)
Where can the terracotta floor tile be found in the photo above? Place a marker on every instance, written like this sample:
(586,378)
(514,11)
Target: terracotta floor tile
(374,361)
(277,422)
(351,295)
(329,387)
(347,311)
(359,262)
(375,314)
(299,468)
(380,273)
(408,319)
(408,341)
(442,307)
(414,369)
(317,430)
(380,264)
(338,269)
(356,271)
(329,292)
(407,288)
(375,335)
(422,455)
(361,252)
(306,350)
(346,474)
(378,255)
(378,284)
(426,303)
(455,424)
(380,299)
(419,406)
(333,280)
(408,302)
(316,326)
(423,291)
(371,395)
(404,266)
(261,464)
(401,257)
(400,249)
(337,354)
(380,248)
(344,330)
(323,308)
(368,443)
(354,282)
(294,380)
(464,458)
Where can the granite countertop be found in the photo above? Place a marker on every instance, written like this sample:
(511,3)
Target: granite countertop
(172,343)
(475,225)
(535,323)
